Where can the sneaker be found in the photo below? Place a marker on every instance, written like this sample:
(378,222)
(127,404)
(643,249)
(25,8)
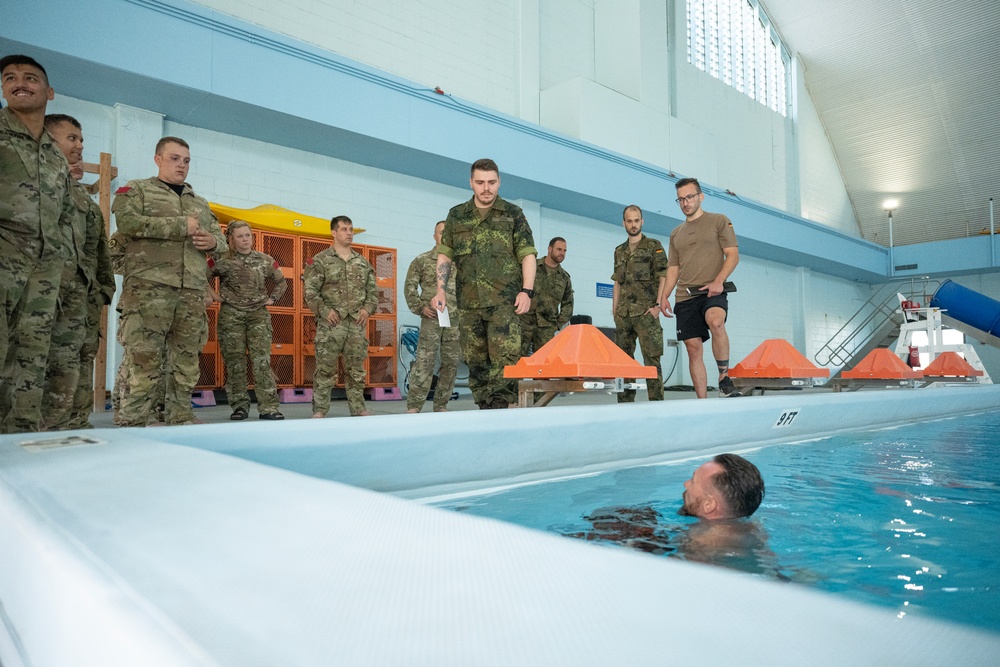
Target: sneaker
(273,416)
(727,389)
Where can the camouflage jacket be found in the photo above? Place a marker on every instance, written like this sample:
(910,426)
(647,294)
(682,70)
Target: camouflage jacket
(486,254)
(242,279)
(35,202)
(553,302)
(89,244)
(421,284)
(638,276)
(333,284)
(153,220)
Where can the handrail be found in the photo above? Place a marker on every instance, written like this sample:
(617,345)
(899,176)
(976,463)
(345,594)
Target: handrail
(870,317)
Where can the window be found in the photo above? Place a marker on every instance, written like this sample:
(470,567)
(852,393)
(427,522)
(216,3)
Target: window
(733,41)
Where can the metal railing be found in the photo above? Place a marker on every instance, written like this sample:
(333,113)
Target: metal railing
(871,317)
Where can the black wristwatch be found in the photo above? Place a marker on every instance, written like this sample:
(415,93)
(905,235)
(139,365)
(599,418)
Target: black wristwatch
(529,292)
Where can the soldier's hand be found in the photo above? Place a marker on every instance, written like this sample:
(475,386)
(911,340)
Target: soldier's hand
(522,303)
(192,225)
(439,301)
(429,313)
(203,240)
(333,318)
(362,317)
(654,311)
(715,288)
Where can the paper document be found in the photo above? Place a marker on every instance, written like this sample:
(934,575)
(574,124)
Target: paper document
(443,318)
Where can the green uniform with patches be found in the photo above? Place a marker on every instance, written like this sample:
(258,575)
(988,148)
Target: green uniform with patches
(35,206)
(419,289)
(245,325)
(550,309)
(486,254)
(637,273)
(163,297)
(76,327)
(346,287)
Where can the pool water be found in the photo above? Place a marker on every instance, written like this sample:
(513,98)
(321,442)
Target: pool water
(907,518)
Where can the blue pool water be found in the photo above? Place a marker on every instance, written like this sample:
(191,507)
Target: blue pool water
(907,518)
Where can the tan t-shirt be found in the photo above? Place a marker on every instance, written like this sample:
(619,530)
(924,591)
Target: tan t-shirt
(696,249)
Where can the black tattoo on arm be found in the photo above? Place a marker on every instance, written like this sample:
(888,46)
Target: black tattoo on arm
(443,273)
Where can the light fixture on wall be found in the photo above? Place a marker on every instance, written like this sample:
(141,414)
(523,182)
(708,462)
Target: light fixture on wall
(891,205)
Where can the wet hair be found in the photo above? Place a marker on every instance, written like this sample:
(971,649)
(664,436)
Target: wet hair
(556,239)
(740,484)
(631,207)
(53,119)
(484,164)
(688,181)
(170,140)
(6,61)
(336,220)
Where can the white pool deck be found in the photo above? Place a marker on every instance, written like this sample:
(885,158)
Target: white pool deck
(297,543)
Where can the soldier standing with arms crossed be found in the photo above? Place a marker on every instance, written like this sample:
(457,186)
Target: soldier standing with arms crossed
(169,231)
(340,290)
(552,307)
(87,286)
(419,289)
(490,243)
(35,206)
(640,273)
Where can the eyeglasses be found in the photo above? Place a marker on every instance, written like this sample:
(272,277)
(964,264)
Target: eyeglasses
(688,199)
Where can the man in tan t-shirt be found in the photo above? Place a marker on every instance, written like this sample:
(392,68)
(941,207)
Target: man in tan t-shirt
(703,253)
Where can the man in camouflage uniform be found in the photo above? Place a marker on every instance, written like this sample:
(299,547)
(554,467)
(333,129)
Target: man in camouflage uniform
(87,285)
(35,206)
(244,321)
(340,289)
(552,306)
(490,243)
(169,230)
(639,277)
(419,289)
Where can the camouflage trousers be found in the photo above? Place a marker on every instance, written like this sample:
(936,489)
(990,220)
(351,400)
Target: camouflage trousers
(83,399)
(162,325)
(533,335)
(240,332)
(29,292)
(121,388)
(491,339)
(345,338)
(647,329)
(69,332)
(434,337)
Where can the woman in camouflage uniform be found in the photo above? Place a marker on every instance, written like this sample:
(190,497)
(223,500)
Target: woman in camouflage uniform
(244,322)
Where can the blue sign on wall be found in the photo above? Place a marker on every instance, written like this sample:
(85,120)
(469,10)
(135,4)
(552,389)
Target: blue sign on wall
(605,290)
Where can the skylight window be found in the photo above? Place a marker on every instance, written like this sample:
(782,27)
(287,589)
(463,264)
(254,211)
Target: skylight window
(733,41)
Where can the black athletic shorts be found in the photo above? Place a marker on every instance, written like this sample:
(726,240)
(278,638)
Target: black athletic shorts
(690,315)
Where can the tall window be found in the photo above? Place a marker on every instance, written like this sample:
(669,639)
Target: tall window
(733,41)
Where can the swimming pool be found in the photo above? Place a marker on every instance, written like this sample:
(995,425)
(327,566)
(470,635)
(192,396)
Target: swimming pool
(297,543)
(905,517)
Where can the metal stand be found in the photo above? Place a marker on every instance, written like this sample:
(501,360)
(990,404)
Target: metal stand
(549,389)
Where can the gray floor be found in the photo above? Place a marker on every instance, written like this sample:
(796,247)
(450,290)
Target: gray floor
(338,408)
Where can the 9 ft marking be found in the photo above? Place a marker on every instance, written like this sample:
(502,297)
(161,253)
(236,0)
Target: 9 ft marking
(786,418)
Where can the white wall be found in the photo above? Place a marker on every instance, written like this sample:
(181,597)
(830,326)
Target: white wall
(469,49)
